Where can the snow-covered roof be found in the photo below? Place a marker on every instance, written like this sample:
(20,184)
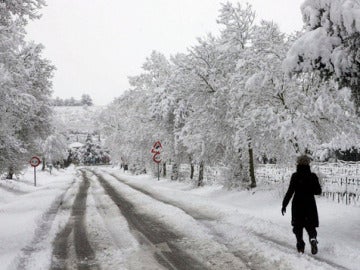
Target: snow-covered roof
(76,145)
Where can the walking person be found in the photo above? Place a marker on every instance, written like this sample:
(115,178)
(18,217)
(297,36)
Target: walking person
(303,185)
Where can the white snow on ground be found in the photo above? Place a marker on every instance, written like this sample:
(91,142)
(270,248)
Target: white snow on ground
(254,217)
(22,208)
(116,247)
(214,221)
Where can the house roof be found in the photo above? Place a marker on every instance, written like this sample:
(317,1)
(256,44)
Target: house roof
(76,145)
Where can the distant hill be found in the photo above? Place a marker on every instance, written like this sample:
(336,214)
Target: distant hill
(77,121)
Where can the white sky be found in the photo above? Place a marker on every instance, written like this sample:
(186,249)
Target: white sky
(96,44)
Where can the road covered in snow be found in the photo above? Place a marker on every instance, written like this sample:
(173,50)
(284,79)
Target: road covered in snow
(102,218)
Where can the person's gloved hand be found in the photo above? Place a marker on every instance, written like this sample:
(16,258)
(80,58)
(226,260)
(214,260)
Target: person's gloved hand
(283,210)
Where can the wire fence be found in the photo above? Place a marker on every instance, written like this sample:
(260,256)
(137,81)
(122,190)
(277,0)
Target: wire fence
(340,181)
(342,189)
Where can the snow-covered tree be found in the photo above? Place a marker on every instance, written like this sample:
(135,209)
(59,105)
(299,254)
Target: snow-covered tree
(227,101)
(155,81)
(285,116)
(330,44)
(86,100)
(24,87)
(129,129)
(257,82)
(55,149)
(235,40)
(238,23)
(200,88)
(155,72)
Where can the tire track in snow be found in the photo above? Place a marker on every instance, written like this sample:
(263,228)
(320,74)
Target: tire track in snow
(189,211)
(75,227)
(285,247)
(42,231)
(201,218)
(108,211)
(153,233)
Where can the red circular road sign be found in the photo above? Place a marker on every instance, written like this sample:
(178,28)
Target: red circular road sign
(35,161)
(157,158)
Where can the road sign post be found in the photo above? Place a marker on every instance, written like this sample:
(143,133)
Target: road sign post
(156,149)
(158,165)
(34,162)
(35,176)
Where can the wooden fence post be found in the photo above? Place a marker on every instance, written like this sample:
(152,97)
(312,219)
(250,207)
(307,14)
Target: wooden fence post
(346,191)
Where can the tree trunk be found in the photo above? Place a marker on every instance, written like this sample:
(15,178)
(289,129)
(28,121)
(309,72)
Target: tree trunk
(164,169)
(355,89)
(251,167)
(201,174)
(43,164)
(10,173)
(192,169)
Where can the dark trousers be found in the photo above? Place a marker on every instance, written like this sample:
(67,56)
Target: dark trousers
(298,231)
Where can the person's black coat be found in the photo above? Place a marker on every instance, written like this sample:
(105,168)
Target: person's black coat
(303,185)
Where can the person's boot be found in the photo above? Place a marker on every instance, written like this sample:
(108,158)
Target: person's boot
(300,246)
(313,243)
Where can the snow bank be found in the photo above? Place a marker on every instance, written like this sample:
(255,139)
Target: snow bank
(22,207)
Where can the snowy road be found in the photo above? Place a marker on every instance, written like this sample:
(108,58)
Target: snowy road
(90,238)
(212,223)
(169,247)
(102,219)
(85,256)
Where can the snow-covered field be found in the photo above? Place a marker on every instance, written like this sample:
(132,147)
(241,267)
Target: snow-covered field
(215,221)
(77,121)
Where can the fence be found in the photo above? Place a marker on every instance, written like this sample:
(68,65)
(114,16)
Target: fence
(342,189)
(340,181)
(212,175)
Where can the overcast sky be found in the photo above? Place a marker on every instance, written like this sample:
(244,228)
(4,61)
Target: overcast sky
(96,44)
